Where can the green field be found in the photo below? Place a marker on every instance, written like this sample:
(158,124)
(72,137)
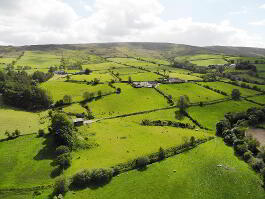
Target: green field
(132,62)
(36,59)
(103,77)
(184,76)
(209,115)
(157,61)
(197,177)
(208,62)
(228,88)
(130,100)
(193,91)
(260,67)
(58,89)
(7,60)
(249,77)
(102,66)
(148,76)
(259,99)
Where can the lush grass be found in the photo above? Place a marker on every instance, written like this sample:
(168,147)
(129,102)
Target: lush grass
(193,91)
(184,76)
(262,74)
(131,62)
(130,100)
(249,77)
(148,76)
(127,70)
(37,59)
(102,66)
(208,62)
(197,177)
(26,162)
(157,61)
(58,89)
(75,109)
(27,122)
(228,88)
(260,67)
(209,115)
(121,140)
(7,60)
(103,77)
(259,99)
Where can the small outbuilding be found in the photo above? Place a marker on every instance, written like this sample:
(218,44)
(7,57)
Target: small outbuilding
(78,122)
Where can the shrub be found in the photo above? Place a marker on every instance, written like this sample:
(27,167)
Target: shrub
(61,150)
(257,164)
(61,186)
(247,156)
(241,148)
(142,162)
(192,141)
(41,133)
(161,154)
(81,179)
(64,160)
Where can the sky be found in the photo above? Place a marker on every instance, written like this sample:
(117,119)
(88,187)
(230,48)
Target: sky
(191,22)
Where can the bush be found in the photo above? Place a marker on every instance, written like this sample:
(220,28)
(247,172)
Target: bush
(82,178)
(64,160)
(161,154)
(247,156)
(257,164)
(61,186)
(241,148)
(61,150)
(142,162)
(41,133)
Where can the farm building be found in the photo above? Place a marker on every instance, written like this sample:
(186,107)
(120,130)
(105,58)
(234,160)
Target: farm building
(144,84)
(174,80)
(61,72)
(78,121)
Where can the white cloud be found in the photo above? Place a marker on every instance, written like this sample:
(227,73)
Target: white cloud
(262,6)
(258,23)
(54,21)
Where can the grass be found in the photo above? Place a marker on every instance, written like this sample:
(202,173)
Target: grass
(37,59)
(127,70)
(75,109)
(26,162)
(26,122)
(130,100)
(209,115)
(148,76)
(197,177)
(58,89)
(122,139)
(193,91)
(208,62)
(157,61)
(260,67)
(131,62)
(184,76)
(249,77)
(228,88)
(102,66)
(259,99)
(7,60)
(103,77)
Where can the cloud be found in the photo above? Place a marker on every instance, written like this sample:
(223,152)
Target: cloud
(54,21)
(258,23)
(262,6)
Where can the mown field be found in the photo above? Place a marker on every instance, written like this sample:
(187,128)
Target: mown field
(103,77)
(193,91)
(259,99)
(209,115)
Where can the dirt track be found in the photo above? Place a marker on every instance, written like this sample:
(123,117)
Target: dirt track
(259,134)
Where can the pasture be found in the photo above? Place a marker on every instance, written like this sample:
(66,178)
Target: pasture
(148,76)
(130,100)
(183,76)
(259,99)
(102,66)
(132,62)
(193,91)
(228,88)
(58,89)
(209,115)
(103,77)
(194,170)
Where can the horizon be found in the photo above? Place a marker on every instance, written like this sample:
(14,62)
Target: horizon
(204,23)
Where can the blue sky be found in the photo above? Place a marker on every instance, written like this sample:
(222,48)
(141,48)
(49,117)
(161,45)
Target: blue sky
(194,22)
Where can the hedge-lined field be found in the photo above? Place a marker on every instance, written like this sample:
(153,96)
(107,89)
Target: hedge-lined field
(103,77)
(103,66)
(132,62)
(58,89)
(194,170)
(183,76)
(39,59)
(228,88)
(148,76)
(193,91)
(121,140)
(259,99)
(209,115)
(208,62)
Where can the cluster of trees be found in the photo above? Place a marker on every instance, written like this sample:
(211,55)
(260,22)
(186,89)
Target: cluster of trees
(12,135)
(235,94)
(230,129)
(20,90)
(244,85)
(41,76)
(189,66)
(246,66)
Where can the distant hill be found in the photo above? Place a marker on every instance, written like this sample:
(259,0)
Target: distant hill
(148,49)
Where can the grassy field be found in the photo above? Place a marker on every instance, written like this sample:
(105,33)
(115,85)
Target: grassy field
(158,61)
(103,77)
(260,67)
(58,89)
(259,99)
(208,62)
(39,59)
(228,88)
(148,76)
(249,77)
(103,66)
(129,101)
(26,162)
(132,62)
(122,139)
(75,109)
(193,91)
(197,177)
(7,60)
(184,76)
(209,115)
(127,70)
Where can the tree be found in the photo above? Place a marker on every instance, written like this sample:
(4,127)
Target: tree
(67,99)
(61,186)
(99,93)
(130,79)
(118,90)
(235,94)
(161,154)
(88,95)
(183,103)
(68,77)
(88,71)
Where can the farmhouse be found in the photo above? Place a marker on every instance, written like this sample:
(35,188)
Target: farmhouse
(149,84)
(78,121)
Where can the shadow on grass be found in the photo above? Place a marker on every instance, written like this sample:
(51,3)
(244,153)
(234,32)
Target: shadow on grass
(47,152)
(92,186)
